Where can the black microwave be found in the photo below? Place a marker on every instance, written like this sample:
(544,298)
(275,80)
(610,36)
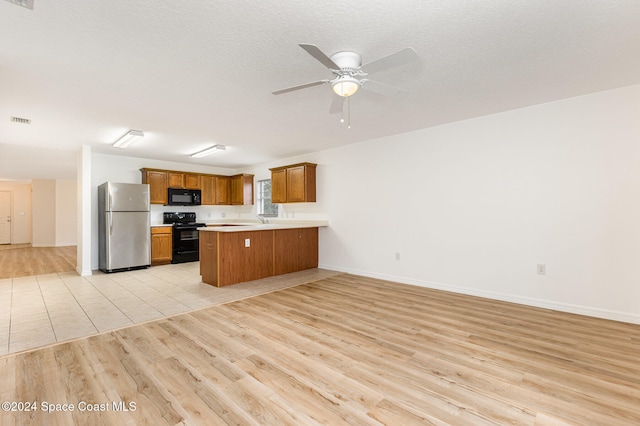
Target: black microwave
(184,197)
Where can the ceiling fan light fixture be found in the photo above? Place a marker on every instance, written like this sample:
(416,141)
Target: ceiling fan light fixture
(128,139)
(345,86)
(24,3)
(209,151)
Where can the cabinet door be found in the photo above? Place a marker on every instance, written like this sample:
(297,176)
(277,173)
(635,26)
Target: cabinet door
(236,190)
(279,186)
(223,187)
(192,181)
(296,184)
(160,245)
(176,180)
(209,265)
(157,186)
(208,190)
(295,250)
(242,189)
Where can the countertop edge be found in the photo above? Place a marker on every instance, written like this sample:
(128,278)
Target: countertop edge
(264,227)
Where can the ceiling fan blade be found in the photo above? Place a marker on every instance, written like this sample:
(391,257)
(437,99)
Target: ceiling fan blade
(383,89)
(401,57)
(301,86)
(336,104)
(314,51)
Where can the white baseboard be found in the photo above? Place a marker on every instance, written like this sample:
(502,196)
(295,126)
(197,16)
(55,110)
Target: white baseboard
(53,245)
(83,273)
(539,303)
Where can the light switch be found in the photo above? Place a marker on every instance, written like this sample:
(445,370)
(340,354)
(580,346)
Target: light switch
(247,242)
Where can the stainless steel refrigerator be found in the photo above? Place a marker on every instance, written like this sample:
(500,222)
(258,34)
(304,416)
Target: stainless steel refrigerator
(125,233)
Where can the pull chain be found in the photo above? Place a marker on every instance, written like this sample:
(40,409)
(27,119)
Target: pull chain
(348,113)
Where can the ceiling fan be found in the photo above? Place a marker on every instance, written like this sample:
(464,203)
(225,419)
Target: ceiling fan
(349,73)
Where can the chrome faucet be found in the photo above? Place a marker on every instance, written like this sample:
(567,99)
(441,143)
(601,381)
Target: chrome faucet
(263,220)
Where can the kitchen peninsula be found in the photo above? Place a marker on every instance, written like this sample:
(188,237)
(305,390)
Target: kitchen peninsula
(231,253)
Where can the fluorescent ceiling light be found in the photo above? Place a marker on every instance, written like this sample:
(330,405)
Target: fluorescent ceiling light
(209,151)
(24,3)
(128,139)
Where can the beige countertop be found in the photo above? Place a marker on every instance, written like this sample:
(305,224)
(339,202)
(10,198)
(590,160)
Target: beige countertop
(233,226)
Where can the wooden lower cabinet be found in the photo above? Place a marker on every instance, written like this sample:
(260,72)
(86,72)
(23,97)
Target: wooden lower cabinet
(295,250)
(161,245)
(225,258)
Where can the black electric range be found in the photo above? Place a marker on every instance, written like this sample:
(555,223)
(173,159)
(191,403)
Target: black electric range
(186,238)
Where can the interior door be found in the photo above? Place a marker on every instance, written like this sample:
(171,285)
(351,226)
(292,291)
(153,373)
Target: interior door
(5,217)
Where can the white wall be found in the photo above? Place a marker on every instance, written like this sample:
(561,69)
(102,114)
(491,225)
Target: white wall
(20,210)
(83,210)
(66,212)
(44,213)
(54,212)
(474,206)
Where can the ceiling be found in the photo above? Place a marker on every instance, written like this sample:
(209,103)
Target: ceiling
(192,74)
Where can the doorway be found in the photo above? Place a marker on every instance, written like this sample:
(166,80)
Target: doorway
(5,217)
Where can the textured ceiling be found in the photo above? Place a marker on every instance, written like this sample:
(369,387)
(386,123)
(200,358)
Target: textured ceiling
(191,74)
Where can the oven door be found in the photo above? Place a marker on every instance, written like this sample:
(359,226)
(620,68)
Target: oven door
(186,244)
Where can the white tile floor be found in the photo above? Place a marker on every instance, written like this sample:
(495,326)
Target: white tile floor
(44,309)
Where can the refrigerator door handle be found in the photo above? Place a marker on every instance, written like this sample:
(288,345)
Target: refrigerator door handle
(110,223)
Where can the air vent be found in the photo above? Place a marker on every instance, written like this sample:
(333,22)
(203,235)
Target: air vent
(20,120)
(24,3)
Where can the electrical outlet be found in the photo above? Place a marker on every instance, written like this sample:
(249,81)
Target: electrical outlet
(541,269)
(397,256)
(247,242)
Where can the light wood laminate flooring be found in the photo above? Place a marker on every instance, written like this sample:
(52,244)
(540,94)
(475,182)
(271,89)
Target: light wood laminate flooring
(341,350)
(21,260)
(43,309)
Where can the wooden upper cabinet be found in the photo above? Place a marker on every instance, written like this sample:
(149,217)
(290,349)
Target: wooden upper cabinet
(297,185)
(157,181)
(242,189)
(176,179)
(294,184)
(215,189)
(192,181)
(208,183)
(279,186)
(223,190)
